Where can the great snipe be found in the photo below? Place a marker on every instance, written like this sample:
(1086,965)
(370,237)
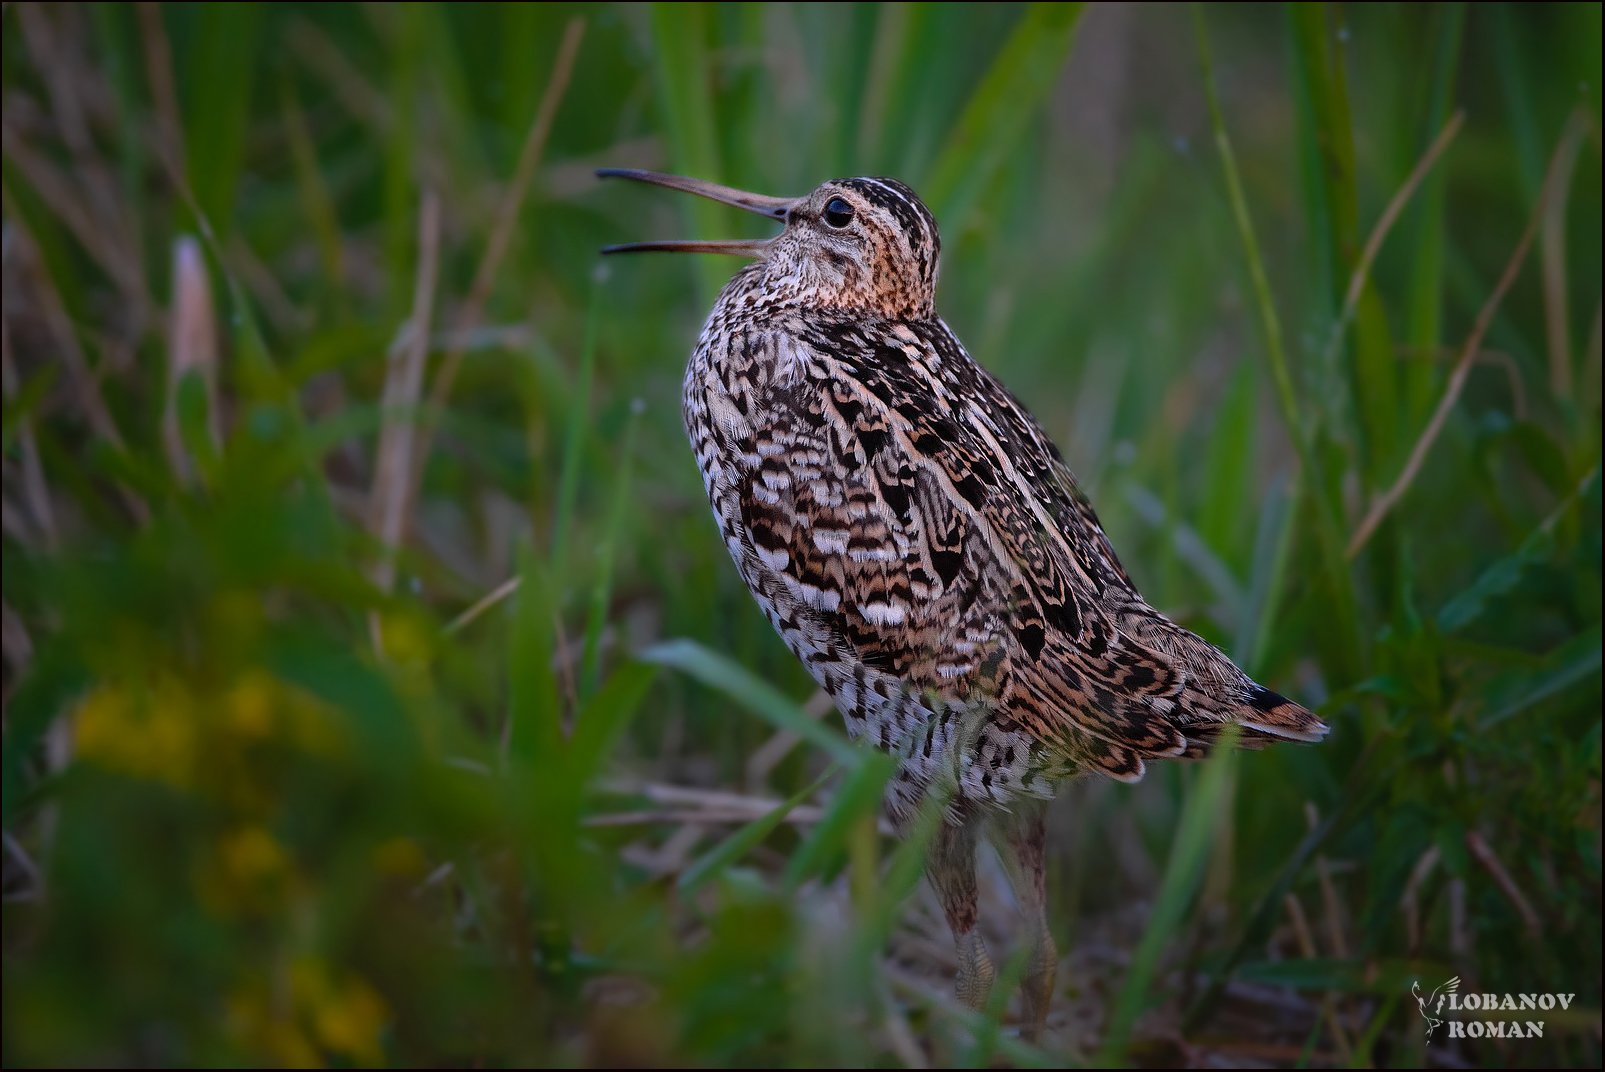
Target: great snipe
(922,547)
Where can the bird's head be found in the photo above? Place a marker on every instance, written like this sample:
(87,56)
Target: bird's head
(859,245)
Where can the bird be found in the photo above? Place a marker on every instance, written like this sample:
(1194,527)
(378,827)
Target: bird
(920,544)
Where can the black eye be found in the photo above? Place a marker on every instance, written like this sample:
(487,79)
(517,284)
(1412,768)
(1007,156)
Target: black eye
(838,213)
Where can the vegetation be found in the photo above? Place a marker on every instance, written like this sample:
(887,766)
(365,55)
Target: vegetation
(377,688)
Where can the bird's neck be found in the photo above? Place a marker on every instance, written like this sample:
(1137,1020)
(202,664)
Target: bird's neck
(774,285)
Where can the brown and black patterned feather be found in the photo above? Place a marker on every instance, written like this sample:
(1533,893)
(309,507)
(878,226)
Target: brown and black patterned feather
(916,537)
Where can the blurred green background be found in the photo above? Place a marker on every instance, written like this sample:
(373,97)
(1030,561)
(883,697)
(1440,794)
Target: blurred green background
(377,688)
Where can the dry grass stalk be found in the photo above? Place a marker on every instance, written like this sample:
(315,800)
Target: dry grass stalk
(65,198)
(506,221)
(900,1037)
(1301,927)
(767,756)
(82,380)
(57,44)
(485,602)
(35,492)
(346,82)
(159,70)
(1410,900)
(1575,130)
(1591,359)
(54,314)
(1552,265)
(801,816)
(192,347)
(1384,224)
(404,375)
(1484,854)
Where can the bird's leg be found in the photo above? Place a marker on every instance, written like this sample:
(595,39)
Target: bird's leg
(951,869)
(1021,839)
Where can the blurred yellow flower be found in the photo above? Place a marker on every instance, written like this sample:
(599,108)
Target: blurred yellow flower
(401,857)
(253,855)
(248,872)
(266,1036)
(405,638)
(104,719)
(347,1016)
(316,1020)
(150,735)
(248,706)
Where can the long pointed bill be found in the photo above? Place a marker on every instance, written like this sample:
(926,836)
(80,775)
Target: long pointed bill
(774,208)
(744,247)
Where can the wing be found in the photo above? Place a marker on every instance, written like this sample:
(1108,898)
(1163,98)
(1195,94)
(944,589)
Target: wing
(1212,691)
(881,510)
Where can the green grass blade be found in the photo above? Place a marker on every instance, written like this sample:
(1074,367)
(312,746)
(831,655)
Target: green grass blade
(1230,453)
(20,407)
(745,839)
(1361,791)
(53,681)
(406,89)
(1203,813)
(887,57)
(1000,110)
(1326,152)
(576,435)
(1270,320)
(1521,116)
(534,733)
(605,716)
(1506,573)
(1273,545)
(683,68)
(1339,584)
(1326,156)
(857,800)
(613,536)
(756,695)
(1423,330)
(1573,662)
(221,83)
(317,203)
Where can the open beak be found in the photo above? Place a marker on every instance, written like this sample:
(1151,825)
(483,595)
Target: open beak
(775,208)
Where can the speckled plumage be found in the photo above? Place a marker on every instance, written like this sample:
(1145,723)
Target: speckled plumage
(919,543)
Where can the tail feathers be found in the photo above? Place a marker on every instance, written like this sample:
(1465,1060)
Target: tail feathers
(1275,715)
(1216,691)
(1267,718)
(1131,717)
